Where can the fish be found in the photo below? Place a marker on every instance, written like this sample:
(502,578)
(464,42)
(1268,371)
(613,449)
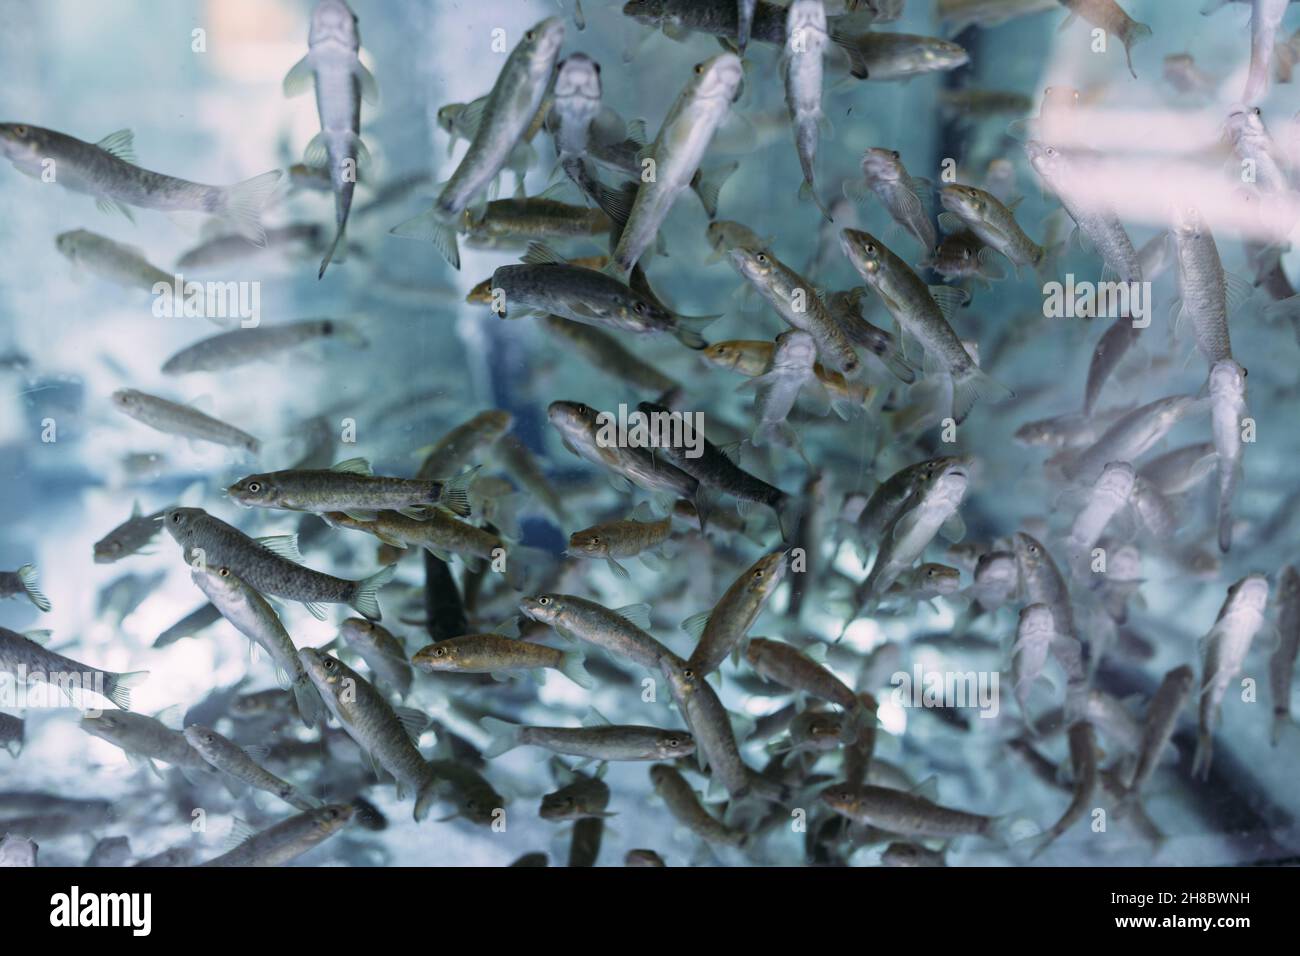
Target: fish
(234,349)
(641,533)
(797,302)
(1035,632)
(607,354)
(1083,764)
(25,657)
(1041,582)
(597,739)
(643,857)
(351,487)
(465,444)
(721,630)
(845,308)
(191,624)
(106,171)
(1265,20)
(581,429)
(1281,665)
(1109,16)
(581,798)
(922,313)
(963,256)
(146,739)
(880,56)
(1203,286)
(885,177)
(788,375)
(994,223)
(25,582)
(132,536)
(1128,438)
(499,654)
(250,614)
(910,855)
(792,668)
(620,631)
(224,250)
(1161,721)
(907,814)
(1224,650)
(676,153)
(509,110)
(288,839)
(684,804)
(381,650)
(750,357)
(270,565)
(1227,392)
(1106,498)
(101,256)
(738,20)
(342,81)
(802,70)
(387,736)
(11,734)
(230,758)
(172,418)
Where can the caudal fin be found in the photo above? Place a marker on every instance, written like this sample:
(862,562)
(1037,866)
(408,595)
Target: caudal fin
(429,227)
(571,666)
(505,736)
(971,386)
(28,575)
(366,598)
(1204,754)
(244,203)
(120,691)
(338,243)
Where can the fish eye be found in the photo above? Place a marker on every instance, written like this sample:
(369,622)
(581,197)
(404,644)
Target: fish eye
(20,130)
(254,486)
(440,652)
(897,154)
(529,35)
(674,742)
(328,663)
(1050,151)
(688,673)
(543,601)
(176,519)
(758,574)
(224,572)
(871,248)
(699,69)
(597,66)
(639,308)
(762,258)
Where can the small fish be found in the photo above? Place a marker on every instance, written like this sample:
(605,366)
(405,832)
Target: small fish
(386,735)
(1042,583)
(130,537)
(251,615)
(584,798)
(885,177)
(802,69)
(508,112)
(687,809)
(622,539)
(499,654)
(581,430)
(792,668)
(750,357)
(881,57)
(120,264)
(962,256)
(922,312)
(1227,391)
(1265,20)
(463,445)
(1083,764)
(1281,665)
(1127,439)
(1109,16)
(644,857)
(1161,722)
(240,347)
(993,222)
(797,302)
(171,418)
(907,814)
(342,81)
(1035,633)
(24,582)
(846,309)
(189,625)
(676,152)
(232,248)
(607,354)
(1182,73)
(738,20)
(270,565)
(789,374)
(1203,286)
(1104,500)
(382,652)
(910,855)
(23,656)
(720,631)
(230,758)
(620,631)
(146,739)
(1225,648)
(351,487)
(597,739)
(1179,471)
(106,170)
(288,839)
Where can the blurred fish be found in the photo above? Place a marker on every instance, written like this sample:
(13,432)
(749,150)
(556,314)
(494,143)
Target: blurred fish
(123,265)
(24,582)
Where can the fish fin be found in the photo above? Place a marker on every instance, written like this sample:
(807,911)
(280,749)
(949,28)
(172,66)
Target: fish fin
(242,205)
(973,385)
(505,736)
(594,718)
(618,569)
(636,614)
(695,624)
(857,190)
(366,82)
(353,466)
(300,78)
(954,528)
(311,709)
(539,253)
(949,299)
(708,184)
(120,145)
(282,545)
(455,493)
(122,685)
(413,721)
(572,666)
(429,227)
(366,598)
(106,205)
(28,575)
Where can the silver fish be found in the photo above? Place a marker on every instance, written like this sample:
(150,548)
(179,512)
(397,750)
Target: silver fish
(172,418)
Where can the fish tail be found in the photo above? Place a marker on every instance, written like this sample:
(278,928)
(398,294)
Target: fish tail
(788,510)
(242,204)
(1281,720)
(430,227)
(28,575)
(971,385)
(1133,34)
(429,791)
(120,690)
(505,736)
(689,327)
(454,494)
(1204,754)
(337,244)
(571,666)
(366,597)
(310,707)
